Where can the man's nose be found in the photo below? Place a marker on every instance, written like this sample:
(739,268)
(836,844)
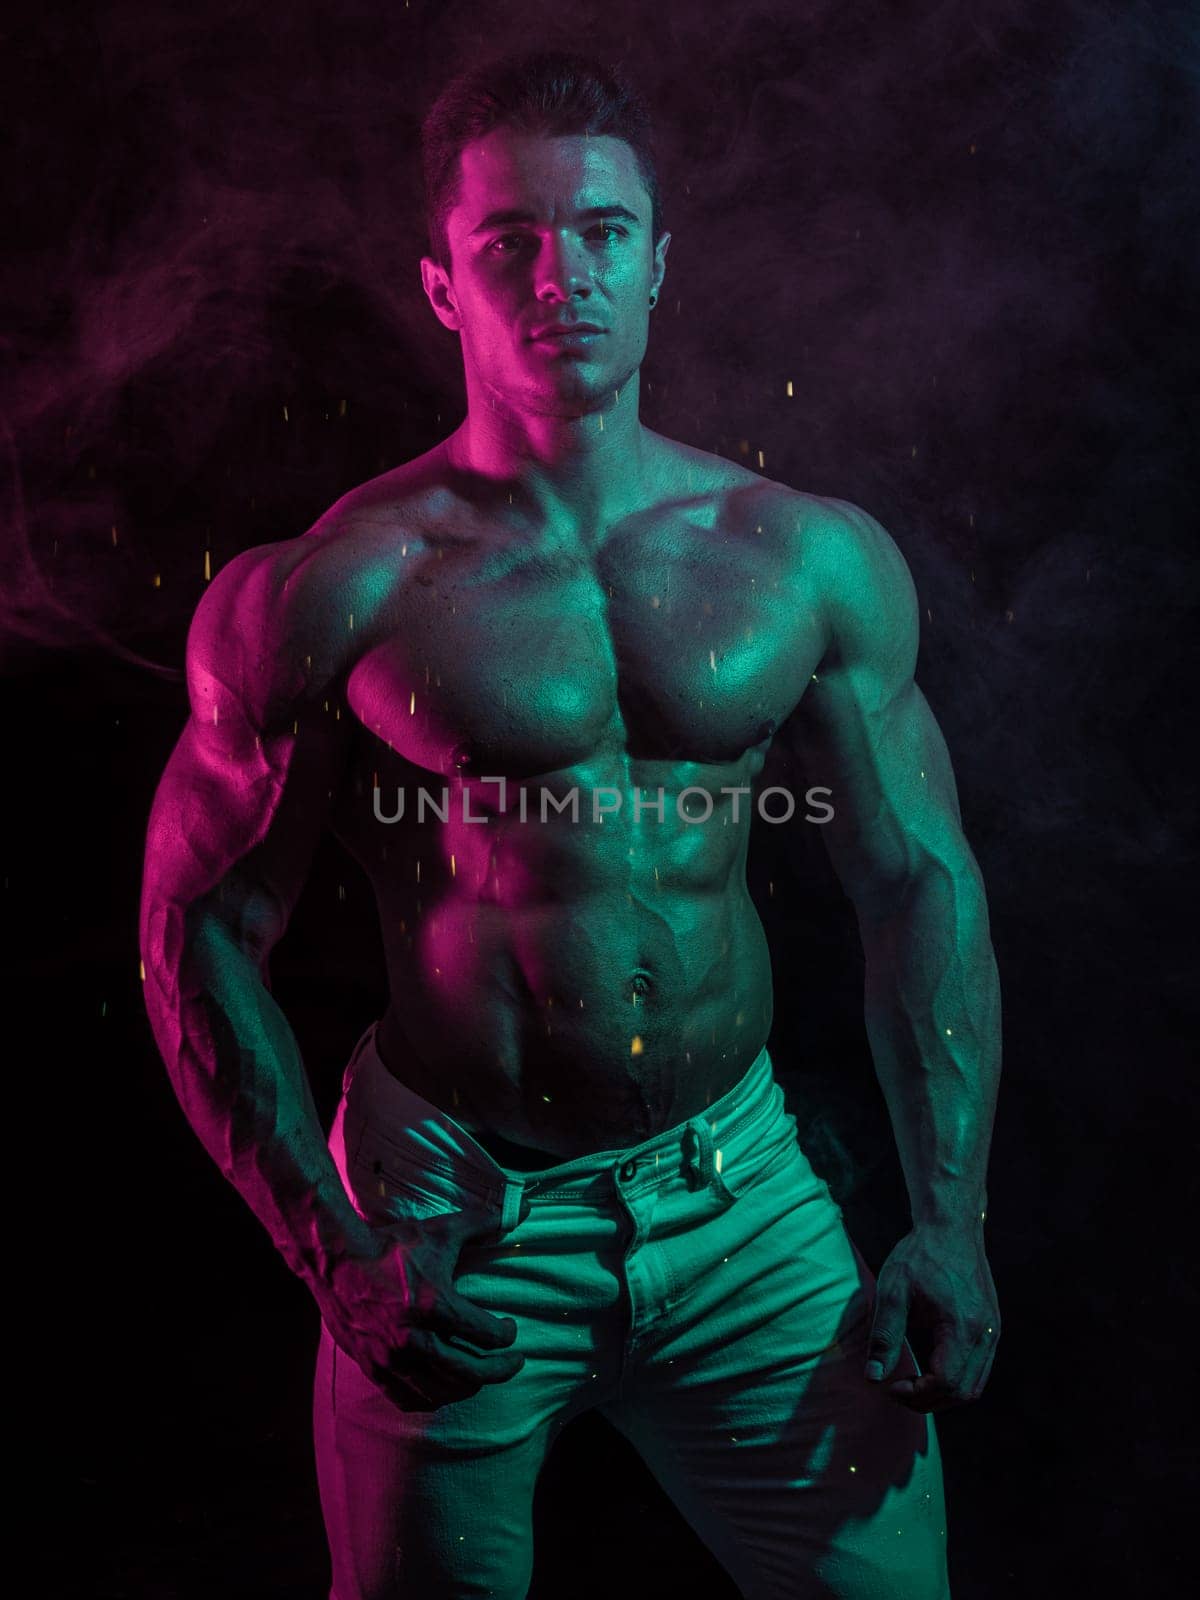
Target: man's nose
(562,267)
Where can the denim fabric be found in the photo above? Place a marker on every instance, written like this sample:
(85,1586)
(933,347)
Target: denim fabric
(700,1291)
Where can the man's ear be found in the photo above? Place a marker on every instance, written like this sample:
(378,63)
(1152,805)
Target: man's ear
(660,261)
(440,290)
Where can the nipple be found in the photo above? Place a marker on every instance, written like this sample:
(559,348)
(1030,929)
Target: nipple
(462,756)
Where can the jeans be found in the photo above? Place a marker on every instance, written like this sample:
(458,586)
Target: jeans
(698,1289)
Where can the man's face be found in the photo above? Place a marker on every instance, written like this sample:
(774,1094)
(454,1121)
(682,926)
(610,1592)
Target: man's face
(549,231)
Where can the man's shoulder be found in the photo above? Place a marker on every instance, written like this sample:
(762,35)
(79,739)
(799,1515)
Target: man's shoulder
(838,547)
(292,613)
(838,559)
(739,494)
(852,574)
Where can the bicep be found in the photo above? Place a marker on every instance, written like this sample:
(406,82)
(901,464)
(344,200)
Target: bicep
(245,794)
(865,730)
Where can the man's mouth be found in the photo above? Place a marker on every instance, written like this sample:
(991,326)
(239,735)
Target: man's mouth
(583,333)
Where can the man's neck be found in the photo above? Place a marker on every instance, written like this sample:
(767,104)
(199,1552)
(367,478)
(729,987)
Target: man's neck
(579,474)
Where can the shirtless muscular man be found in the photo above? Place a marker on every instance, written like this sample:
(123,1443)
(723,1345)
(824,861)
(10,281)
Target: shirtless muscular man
(561,1175)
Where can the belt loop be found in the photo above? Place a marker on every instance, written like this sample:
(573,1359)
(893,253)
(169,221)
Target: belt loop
(697,1153)
(510,1211)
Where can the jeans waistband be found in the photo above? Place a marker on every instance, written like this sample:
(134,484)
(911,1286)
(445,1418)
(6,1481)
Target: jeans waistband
(711,1142)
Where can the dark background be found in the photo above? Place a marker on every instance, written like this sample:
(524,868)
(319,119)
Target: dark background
(963,233)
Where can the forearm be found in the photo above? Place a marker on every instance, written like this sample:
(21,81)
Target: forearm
(933,1021)
(237,1072)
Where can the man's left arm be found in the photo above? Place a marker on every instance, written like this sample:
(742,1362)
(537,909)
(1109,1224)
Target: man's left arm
(864,730)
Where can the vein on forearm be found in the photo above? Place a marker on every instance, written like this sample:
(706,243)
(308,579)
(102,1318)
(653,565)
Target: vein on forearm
(237,1072)
(932,1010)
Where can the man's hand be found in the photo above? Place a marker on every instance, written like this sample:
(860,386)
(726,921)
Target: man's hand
(400,1318)
(936,1280)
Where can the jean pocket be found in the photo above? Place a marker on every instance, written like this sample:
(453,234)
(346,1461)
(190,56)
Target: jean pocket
(761,1160)
(391,1183)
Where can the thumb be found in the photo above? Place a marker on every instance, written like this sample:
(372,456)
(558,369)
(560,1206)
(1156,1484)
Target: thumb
(887,1335)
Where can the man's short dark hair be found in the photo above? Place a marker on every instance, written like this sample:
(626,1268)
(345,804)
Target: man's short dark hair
(546,92)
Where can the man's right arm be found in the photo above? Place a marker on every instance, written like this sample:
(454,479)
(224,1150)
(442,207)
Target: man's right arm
(236,818)
(233,827)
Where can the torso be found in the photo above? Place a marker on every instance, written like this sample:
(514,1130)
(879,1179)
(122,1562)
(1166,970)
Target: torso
(560,986)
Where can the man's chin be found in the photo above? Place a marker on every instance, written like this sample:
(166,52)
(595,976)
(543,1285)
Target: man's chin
(572,400)
(577,392)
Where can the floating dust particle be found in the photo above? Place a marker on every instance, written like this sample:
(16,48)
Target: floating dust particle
(635,1046)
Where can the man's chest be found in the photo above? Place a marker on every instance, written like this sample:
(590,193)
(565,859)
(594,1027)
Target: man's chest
(531,661)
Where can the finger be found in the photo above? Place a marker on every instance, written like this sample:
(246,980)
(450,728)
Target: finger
(965,1362)
(944,1382)
(410,1383)
(426,1357)
(409,1395)
(980,1367)
(453,1316)
(926,1393)
(952,1350)
(984,1380)
(887,1336)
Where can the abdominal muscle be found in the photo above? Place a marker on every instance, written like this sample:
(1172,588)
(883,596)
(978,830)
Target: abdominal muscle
(558,1030)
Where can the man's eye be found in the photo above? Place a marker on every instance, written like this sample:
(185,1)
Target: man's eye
(507,244)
